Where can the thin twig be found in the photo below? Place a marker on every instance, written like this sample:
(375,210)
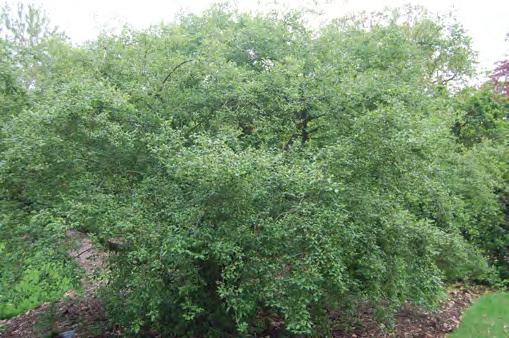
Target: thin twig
(81,253)
(173,71)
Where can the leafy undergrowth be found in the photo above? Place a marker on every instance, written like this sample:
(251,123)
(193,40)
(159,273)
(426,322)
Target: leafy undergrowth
(35,268)
(86,317)
(78,311)
(40,281)
(487,317)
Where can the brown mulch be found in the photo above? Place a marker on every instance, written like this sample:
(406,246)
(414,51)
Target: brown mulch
(413,322)
(85,316)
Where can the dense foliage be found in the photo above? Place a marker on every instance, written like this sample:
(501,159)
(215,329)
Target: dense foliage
(249,168)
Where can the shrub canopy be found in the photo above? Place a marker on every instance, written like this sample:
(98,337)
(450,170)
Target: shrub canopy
(252,167)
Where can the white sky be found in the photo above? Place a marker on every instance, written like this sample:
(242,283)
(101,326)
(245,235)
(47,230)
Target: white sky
(486,21)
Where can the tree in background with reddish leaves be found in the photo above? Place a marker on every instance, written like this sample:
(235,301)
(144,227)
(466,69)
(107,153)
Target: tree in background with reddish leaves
(500,76)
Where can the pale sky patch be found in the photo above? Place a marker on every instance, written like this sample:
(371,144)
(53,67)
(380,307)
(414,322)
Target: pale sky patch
(487,21)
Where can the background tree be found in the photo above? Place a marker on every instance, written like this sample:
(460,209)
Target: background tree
(500,76)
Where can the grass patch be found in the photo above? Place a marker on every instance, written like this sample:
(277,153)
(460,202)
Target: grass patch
(487,317)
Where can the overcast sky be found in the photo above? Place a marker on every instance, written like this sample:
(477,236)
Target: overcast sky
(486,21)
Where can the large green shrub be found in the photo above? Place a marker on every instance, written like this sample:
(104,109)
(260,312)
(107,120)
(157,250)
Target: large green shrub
(246,167)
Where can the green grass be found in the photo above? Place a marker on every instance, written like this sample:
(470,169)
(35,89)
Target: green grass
(487,317)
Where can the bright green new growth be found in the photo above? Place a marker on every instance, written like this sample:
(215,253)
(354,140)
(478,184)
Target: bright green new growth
(249,166)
